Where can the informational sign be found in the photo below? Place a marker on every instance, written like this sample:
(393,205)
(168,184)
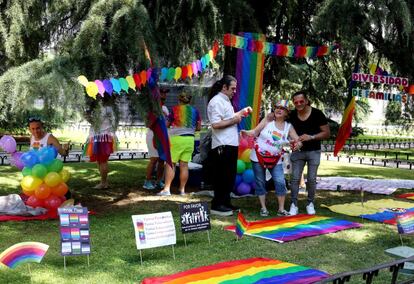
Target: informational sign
(74,231)
(194,217)
(154,230)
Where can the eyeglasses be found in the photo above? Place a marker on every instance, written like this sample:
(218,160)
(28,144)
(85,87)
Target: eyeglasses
(299,102)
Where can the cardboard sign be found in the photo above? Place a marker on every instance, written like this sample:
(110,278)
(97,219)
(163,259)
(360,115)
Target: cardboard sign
(74,231)
(154,230)
(194,217)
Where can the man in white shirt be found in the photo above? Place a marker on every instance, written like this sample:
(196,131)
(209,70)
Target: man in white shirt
(225,142)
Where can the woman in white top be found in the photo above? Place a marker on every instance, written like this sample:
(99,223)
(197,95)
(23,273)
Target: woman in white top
(272,134)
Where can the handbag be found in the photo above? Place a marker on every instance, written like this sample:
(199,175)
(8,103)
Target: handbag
(267,161)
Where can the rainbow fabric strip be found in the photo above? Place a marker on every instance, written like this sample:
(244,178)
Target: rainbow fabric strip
(246,271)
(290,228)
(407,196)
(277,49)
(241,225)
(249,75)
(23,253)
(184,116)
(405,223)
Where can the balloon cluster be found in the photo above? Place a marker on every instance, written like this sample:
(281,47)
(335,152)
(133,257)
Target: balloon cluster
(245,176)
(44,178)
(150,76)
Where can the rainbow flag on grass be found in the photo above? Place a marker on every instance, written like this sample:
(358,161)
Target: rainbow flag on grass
(405,223)
(290,228)
(241,225)
(246,271)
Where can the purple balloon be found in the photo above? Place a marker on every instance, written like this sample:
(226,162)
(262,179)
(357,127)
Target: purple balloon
(108,86)
(16,161)
(243,188)
(8,144)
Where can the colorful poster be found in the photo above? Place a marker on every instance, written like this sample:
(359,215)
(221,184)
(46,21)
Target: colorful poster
(194,217)
(154,230)
(74,231)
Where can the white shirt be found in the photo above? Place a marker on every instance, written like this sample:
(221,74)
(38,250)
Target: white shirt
(219,108)
(271,140)
(39,144)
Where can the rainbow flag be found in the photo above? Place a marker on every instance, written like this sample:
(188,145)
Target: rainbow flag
(246,271)
(290,228)
(161,140)
(23,253)
(405,223)
(249,75)
(407,196)
(241,225)
(184,116)
(388,215)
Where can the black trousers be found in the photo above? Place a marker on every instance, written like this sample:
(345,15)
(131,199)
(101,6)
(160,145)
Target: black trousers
(224,169)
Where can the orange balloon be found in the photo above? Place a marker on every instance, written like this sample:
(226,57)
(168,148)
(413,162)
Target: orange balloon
(28,192)
(60,189)
(43,191)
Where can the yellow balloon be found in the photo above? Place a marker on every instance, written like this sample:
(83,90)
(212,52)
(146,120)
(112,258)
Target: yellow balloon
(30,183)
(92,89)
(83,80)
(52,179)
(178,73)
(245,156)
(131,82)
(64,174)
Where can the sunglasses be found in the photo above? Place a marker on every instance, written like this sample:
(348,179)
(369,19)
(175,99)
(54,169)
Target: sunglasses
(299,102)
(33,119)
(280,107)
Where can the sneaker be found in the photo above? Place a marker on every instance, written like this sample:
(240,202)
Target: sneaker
(310,209)
(160,185)
(221,211)
(264,212)
(283,213)
(294,210)
(164,193)
(148,185)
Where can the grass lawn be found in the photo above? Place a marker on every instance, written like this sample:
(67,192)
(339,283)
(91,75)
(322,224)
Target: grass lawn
(115,259)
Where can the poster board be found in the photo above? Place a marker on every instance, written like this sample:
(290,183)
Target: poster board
(154,230)
(194,217)
(74,231)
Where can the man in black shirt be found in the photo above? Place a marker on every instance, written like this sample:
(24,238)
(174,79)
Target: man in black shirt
(311,126)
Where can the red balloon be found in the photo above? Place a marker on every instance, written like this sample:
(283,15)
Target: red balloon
(33,201)
(62,198)
(52,202)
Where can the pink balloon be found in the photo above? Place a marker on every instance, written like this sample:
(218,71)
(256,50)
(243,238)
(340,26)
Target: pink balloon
(101,87)
(15,160)
(8,144)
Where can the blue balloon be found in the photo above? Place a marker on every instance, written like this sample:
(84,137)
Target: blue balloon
(47,154)
(243,188)
(239,179)
(29,159)
(248,176)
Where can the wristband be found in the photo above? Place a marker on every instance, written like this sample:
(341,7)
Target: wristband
(312,137)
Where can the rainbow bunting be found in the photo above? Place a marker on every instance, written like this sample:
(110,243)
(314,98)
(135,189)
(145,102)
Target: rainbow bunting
(249,75)
(291,228)
(405,223)
(246,271)
(246,42)
(241,225)
(23,253)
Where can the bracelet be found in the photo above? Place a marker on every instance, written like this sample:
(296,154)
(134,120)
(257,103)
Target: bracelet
(312,137)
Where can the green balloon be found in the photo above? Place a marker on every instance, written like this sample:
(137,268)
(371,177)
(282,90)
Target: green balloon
(248,165)
(27,171)
(39,171)
(55,166)
(241,166)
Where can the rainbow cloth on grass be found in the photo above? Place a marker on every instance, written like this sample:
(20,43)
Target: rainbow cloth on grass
(22,253)
(246,271)
(290,228)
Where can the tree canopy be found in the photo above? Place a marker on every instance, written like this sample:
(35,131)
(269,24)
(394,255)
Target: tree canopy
(45,45)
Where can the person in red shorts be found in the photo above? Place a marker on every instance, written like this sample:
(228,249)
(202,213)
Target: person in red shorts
(102,141)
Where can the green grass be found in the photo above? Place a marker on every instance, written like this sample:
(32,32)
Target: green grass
(115,259)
